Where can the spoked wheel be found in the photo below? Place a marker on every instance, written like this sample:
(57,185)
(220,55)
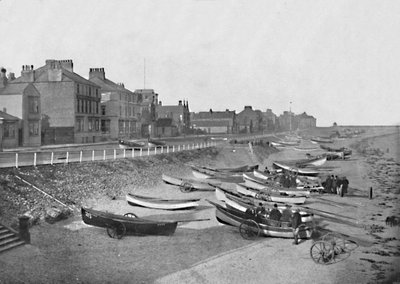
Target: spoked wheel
(116,230)
(322,252)
(249,229)
(337,242)
(186,187)
(130,215)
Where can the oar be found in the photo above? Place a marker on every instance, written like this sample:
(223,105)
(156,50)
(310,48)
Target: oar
(193,220)
(322,213)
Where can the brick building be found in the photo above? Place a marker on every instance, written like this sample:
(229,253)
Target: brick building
(120,108)
(249,120)
(215,121)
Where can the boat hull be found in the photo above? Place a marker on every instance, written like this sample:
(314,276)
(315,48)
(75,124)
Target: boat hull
(164,204)
(134,226)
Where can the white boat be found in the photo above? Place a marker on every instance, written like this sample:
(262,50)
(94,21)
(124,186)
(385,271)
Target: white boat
(187,183)
(158,203)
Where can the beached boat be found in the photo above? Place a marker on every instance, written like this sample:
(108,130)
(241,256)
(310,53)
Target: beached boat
(204,173)
(254,182)
(243,204)
(158,203)
(321,140)
(156,143)
(302,163)
(295,170)
(128,224)
(123,144)
(264,226)
(187,184)
(305,149)
(344,150)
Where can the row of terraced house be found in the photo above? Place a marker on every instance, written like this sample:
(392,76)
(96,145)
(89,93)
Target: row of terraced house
(54,105)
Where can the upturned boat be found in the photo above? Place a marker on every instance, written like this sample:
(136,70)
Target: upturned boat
(119,225)
(187,184)
(158,203)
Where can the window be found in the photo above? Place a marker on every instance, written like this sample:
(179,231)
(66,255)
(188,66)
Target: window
(33,104)
(90,125)
(77,88)
(121,127)
(33,128)
(97,125)
(97,93)
(90,91)
(97,107)
(9,130)
(103,110)
(80,124)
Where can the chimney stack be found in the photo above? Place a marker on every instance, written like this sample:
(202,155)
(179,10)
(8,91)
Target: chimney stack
(28,73)
(97,73)
(11,76)
(180,102)
(3,78)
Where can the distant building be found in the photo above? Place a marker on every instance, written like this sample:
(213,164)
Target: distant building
(305,121)
(120,108)
(20,100)
(165,128)
(269,121)
(249,120)
(179,114)
(147,100)
(215,121)
(9,134)
(69,104)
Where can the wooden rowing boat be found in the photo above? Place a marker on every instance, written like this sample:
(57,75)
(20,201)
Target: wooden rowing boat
(243,204)
(157,203)
(295,170)
(156,143)
(119,225)
(123,144)
(266,227)
(187,183)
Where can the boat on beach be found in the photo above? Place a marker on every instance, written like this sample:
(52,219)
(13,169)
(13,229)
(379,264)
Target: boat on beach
(156,143)
(295,170)
(119,225)
(187,184)
(316,140)
(124,144)
(158,203)
(263,226)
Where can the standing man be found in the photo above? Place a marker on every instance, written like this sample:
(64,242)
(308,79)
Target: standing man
(328,184)
(345,186)
(334,185)
(286,214)
(296,222)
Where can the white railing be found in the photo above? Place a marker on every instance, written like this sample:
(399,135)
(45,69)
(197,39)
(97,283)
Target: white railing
(21,159)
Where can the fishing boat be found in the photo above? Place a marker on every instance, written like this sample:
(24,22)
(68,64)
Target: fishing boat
(244,204)
(346,151)
(128,224)
(123,144)
(158,203)
(187,184)
(156,143)
(321,140)
(295,170)
(264,226)
(205,173)
(251,181)
(302,163)
(305,149)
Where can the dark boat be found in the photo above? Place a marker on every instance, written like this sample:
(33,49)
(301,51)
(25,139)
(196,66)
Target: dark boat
(123,144)
(128,224)
(346,151)
(156,143)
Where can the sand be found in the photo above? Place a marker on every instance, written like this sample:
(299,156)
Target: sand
(208,252)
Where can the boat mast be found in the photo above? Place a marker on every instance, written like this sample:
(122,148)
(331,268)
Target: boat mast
(290,118)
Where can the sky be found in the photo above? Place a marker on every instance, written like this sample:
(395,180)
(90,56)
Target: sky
(338,60)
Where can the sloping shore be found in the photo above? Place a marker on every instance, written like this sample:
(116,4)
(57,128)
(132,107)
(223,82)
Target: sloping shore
(205,251)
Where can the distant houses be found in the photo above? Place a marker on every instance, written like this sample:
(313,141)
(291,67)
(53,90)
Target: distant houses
(54,105)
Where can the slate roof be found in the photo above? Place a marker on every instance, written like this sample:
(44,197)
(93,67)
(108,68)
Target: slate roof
(14,88)
(6,116)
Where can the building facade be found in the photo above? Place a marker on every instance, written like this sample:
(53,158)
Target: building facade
(179,114)
(249,120)
(9,134)
(215,121)
(120,108)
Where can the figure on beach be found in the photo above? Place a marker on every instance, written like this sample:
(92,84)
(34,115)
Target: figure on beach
(275,214)
(328,184)
(296,222)
(334,185)
(345,186)
(286,214)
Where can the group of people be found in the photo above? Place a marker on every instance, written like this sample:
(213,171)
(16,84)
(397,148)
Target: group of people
(288,180)
(287,215)
(335,185)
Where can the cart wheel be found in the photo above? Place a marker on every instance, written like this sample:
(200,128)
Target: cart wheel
(249,229)
(186,187)
(130,215)
(116,230)
(337,242)
(322,252)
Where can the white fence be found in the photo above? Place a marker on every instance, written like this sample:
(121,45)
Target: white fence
(8,160)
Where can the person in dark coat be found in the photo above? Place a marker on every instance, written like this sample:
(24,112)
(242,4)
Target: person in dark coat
(334,185)
(287,214)
(275,214)
(293,182)
(345,186)
(328,184)
(296,222)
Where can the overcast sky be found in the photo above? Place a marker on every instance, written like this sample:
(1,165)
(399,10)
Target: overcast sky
(336,60)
